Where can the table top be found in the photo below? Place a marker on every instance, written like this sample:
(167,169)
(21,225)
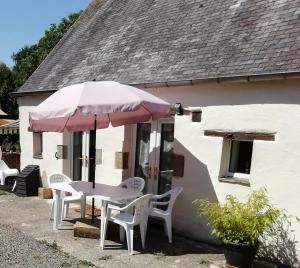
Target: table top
(102,191)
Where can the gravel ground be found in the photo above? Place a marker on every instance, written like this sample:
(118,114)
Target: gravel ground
(19,250)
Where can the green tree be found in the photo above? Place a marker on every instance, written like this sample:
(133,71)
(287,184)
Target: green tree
(28,58)
(7,101)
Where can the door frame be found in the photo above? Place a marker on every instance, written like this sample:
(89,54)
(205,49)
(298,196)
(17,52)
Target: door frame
(156,132)
(85,152)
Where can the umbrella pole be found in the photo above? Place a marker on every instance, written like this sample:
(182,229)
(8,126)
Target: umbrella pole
(94,167)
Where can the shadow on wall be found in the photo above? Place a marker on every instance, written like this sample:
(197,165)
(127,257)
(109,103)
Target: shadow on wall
(197,183)
(279,244)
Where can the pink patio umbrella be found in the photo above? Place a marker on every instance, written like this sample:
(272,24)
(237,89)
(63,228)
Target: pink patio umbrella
(95,105)
(79,107)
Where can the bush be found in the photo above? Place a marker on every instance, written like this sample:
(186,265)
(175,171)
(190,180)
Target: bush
(240,223)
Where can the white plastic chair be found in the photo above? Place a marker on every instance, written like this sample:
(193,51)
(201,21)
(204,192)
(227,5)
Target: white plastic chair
(134,183)
(165,215)
(5,172)
(128,220)
(66,200)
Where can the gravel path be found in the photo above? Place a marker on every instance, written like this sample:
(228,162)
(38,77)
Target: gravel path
(19,250)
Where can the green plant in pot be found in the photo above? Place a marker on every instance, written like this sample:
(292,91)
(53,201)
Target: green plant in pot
(240,225)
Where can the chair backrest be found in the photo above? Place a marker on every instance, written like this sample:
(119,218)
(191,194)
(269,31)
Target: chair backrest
(134,183)
(140,204)
(174,193)
(57,178)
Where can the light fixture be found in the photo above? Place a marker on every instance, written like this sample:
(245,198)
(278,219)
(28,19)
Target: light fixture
(178,109)
(61,152)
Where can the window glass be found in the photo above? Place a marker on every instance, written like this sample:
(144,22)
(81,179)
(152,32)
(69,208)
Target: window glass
(37,144)
(240,156)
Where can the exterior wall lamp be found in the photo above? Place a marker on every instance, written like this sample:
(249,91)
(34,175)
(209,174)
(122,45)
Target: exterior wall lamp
(61,152)
(178,109)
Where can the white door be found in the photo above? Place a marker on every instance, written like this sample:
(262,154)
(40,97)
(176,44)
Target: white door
(80,163)
(154,154)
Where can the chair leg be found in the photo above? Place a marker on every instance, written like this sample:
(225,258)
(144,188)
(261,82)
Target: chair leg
(67,210)
(104,231)
(2,180)
(63,210)
(129,236)
(52,210)
(122,234)
(168,225)
(143,233)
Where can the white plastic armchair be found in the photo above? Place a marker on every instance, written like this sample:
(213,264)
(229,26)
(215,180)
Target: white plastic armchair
(165,215)
(134,183)
(128,220)
(66,200)
(5,172)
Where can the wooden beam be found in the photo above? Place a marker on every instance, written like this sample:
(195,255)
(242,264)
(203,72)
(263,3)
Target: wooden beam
(249,136)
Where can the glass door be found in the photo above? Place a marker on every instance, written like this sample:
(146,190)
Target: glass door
(154,154)
(81,150)
(143,156)
(165,158)
(77,156)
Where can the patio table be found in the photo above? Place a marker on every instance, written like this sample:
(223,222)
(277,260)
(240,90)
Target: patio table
(102,191)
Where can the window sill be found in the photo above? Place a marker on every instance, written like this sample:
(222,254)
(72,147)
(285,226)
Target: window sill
(235,180)
(38,156)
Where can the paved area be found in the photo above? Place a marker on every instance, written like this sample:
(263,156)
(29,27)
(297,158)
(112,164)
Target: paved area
(30,216)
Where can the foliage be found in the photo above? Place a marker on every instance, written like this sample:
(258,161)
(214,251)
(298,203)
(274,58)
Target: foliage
(237,222)
(7,102)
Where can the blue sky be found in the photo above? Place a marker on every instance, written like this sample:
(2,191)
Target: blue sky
(23,22)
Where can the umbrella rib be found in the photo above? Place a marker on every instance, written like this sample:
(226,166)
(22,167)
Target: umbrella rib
(67,122)
(147,110)
(109,120)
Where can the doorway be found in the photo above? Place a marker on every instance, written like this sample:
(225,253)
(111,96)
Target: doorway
(154,154)
(83,150)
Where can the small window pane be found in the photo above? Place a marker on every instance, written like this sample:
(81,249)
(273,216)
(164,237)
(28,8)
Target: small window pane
(196,116)
(37,144)
(240,156)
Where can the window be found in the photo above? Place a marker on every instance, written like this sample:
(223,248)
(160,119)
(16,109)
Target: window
(236,161)
(240,157)
(37,144)
(196,116)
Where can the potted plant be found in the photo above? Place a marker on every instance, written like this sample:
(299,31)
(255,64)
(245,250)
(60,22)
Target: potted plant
(239,225)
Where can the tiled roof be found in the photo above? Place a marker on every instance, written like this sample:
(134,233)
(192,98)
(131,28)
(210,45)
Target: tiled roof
(147,41)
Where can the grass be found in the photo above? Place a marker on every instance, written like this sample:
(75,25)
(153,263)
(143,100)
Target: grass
(105,258)
(204,261)
(52,245)
(55,247)
(66,264)
(86,263)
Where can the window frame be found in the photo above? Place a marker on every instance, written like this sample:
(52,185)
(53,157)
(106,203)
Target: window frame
(238,174)
(37,144)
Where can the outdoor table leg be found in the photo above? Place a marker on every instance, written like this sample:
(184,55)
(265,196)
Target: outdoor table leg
(57,209)
(103,216)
